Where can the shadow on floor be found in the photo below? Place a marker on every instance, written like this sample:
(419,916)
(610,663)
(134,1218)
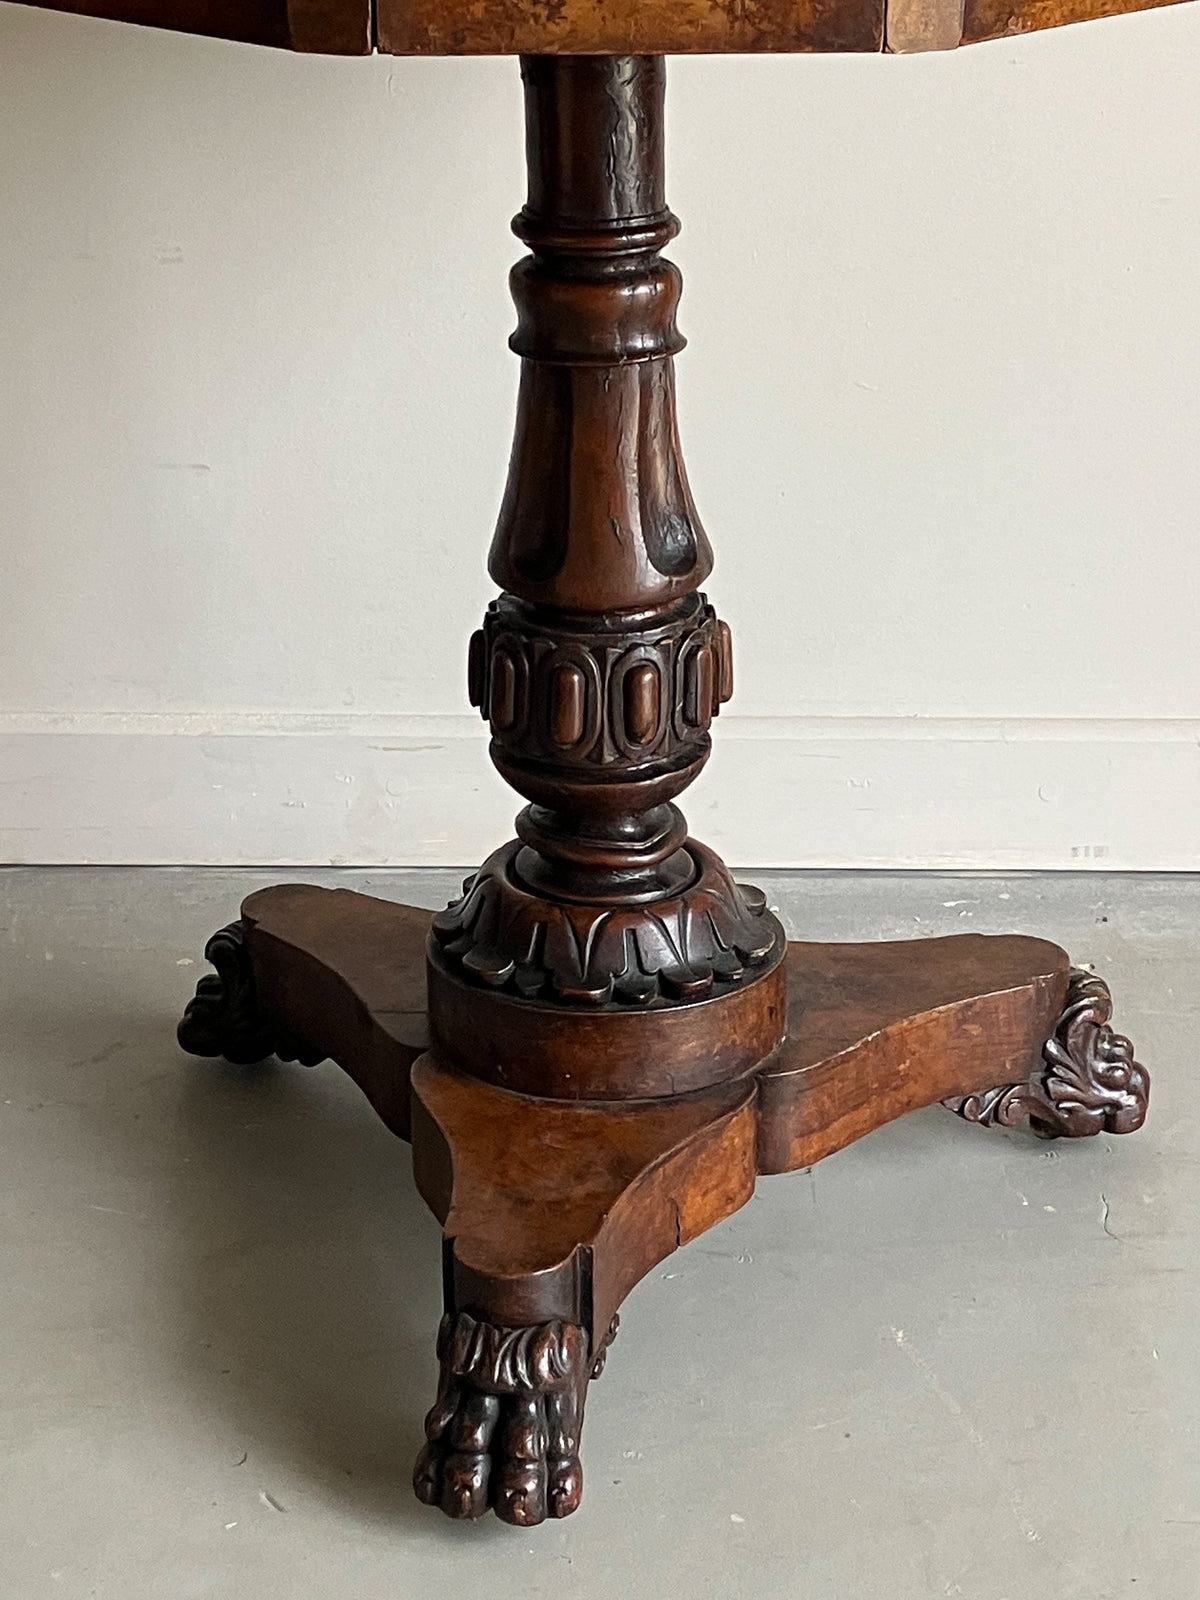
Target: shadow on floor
(296,1274)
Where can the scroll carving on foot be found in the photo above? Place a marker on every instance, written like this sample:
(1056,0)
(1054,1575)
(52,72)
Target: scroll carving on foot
(1090,1082)
(504,1431)
(224,1017)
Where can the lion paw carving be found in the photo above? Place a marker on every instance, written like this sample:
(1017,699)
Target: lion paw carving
(504,1432)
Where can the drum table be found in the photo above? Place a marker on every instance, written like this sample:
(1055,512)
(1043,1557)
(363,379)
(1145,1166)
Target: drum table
(598,1047)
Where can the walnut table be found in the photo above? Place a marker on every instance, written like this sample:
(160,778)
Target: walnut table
(598,1047)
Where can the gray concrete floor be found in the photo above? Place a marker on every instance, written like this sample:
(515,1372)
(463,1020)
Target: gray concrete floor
(946,1362)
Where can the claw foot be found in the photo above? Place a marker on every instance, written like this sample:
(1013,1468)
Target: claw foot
(504,1431)
(1089,1082)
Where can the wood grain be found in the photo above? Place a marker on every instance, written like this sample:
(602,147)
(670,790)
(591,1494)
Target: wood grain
(999,19)
(553,1209)
(347,971)
(617,1042)
(627,27)
(613,27)
(876,1030)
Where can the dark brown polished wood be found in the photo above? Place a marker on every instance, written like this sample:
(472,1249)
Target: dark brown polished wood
(598,1047)
(335,27)
(618,27)
(553,1209)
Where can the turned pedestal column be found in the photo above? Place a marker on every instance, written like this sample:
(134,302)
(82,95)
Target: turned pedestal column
(598,1047)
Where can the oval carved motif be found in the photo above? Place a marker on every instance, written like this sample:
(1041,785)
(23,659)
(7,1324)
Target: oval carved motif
(503,706)
(725,658)
(698,693)
(568,704)
(477,667)
(642,701)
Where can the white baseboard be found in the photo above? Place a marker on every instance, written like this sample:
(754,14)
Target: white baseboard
(364,790)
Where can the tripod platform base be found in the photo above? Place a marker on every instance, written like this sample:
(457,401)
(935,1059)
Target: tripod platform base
(553,1209)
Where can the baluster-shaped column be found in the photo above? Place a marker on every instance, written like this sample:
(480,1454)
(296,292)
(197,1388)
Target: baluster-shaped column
(601,666)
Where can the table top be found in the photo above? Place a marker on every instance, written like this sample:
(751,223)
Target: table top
(602,27)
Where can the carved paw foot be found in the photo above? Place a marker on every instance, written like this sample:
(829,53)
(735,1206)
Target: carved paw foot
(224,1019)
(1090,1082)
(504,1431)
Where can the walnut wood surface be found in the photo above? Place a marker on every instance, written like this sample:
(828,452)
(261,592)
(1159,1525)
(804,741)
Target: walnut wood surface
(552,1208)
(659,27)
(616,27)
(612,1055)
(876,1030)
(346,972)
(602,954)
(611,1052)
(556,1209)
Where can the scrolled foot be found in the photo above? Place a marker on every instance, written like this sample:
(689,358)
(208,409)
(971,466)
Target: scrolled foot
(1090,1082)
(224,1018)
(504,1432)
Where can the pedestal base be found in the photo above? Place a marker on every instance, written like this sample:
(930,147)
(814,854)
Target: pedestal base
(553,1209)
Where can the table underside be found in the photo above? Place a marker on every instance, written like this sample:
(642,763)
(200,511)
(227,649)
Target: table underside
(615,27)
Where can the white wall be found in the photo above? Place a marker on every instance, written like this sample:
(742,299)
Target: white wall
(941,414)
